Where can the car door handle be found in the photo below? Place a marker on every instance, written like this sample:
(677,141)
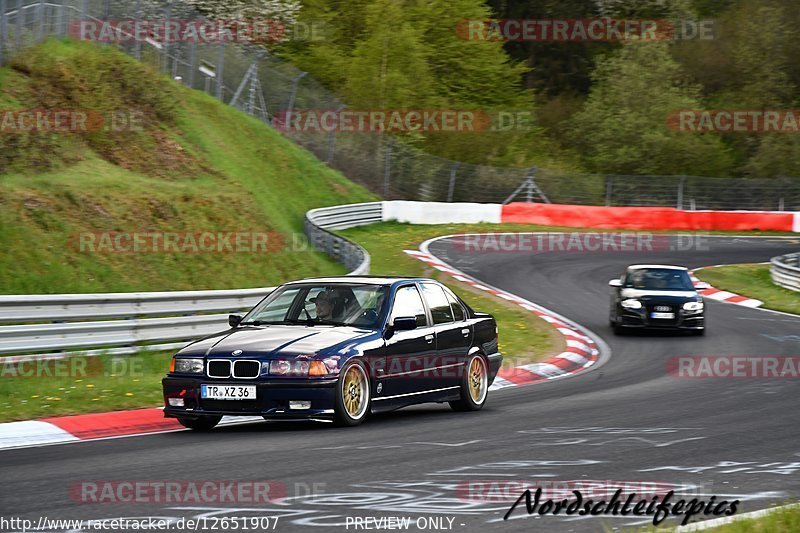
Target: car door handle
(465,332)
(429,338)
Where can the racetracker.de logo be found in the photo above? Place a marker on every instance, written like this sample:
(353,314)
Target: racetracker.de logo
(178,492)
(576,242)
(583,30)
(735,121)
(733,366)
(505,490)
(21,121)
(178,31)
(121,242)
(401,121)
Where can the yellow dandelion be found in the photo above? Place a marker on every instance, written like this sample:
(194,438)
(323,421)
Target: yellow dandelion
(89,386)
(128,394)
(35,396)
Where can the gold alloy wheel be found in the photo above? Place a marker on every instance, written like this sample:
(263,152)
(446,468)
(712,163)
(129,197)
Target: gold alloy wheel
(354,392)
(477,379)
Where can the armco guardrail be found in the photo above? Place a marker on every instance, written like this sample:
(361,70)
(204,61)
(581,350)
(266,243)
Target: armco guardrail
(46,323)
(320,221)
(785,270)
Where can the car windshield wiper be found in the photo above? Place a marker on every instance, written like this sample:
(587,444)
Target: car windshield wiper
(258,323)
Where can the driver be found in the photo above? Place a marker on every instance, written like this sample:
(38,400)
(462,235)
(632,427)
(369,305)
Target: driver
(324,301)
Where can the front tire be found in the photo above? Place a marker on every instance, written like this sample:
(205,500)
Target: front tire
(352,395)
(474,386)
(204,423)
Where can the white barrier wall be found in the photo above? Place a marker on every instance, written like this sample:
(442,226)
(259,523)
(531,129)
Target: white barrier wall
(440,212)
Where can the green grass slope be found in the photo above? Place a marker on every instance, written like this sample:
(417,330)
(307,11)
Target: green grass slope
(192,165)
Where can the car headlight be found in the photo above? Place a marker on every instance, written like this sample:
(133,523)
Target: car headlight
(284,367)
(693,306)
(297,367)
(187,366)
(631,303)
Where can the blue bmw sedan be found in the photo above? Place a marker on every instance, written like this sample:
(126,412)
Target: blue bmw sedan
(338,349)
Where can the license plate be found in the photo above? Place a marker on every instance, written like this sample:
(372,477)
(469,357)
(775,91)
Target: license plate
(228,392)
(662,315)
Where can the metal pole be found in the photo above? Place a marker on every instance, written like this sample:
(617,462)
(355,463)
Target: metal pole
(61,27)
(165,37)
(451,187)
(609,189)
(192,63)
(218,70)
(780,204)
(293,96)
(20,17)
(681,184)
(2,29)
(137,43)
(40,27)
(387,167)
(332,142)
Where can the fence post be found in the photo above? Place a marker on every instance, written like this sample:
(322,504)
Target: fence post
(218,70)
(165,42)
(2,29)
(332,141)
(609,190)
(61,27)
(18,31)
(287,116)
(451,187)
(387,167)
(40,26)
(681,184)
(137,43)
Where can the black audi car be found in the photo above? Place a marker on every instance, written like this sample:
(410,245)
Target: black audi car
(338,349)
(657,296)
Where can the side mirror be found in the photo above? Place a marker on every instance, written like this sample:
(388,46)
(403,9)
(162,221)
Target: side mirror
(615,283)
(233,320)
(404,323)
(702,285)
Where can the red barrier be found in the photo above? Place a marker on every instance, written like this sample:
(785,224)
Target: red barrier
(645,218)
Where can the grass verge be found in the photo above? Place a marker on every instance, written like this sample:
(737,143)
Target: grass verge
(753,281)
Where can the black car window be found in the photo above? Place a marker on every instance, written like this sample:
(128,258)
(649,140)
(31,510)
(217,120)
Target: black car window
(659,279)
(437,301)
(408,302)
(455,306)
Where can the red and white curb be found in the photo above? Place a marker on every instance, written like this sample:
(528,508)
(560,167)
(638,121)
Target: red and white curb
(723,296)
(76,428)
(581,353)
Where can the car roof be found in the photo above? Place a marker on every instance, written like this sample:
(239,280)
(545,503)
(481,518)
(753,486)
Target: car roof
(671,267)
(361,280)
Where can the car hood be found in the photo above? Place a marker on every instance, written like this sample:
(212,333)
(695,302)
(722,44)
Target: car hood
(645,295)
(275,340)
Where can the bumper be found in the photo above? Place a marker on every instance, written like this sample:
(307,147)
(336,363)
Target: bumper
(272,398)
(683,320)
(495,362)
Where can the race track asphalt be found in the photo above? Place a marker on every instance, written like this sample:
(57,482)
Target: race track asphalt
(629,421)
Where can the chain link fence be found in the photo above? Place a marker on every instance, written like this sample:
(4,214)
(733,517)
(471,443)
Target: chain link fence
(251,79)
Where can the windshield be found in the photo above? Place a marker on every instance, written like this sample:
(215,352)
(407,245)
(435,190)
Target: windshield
(659,279)
(339,304)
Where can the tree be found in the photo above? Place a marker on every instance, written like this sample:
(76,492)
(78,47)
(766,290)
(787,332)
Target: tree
(623,126)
